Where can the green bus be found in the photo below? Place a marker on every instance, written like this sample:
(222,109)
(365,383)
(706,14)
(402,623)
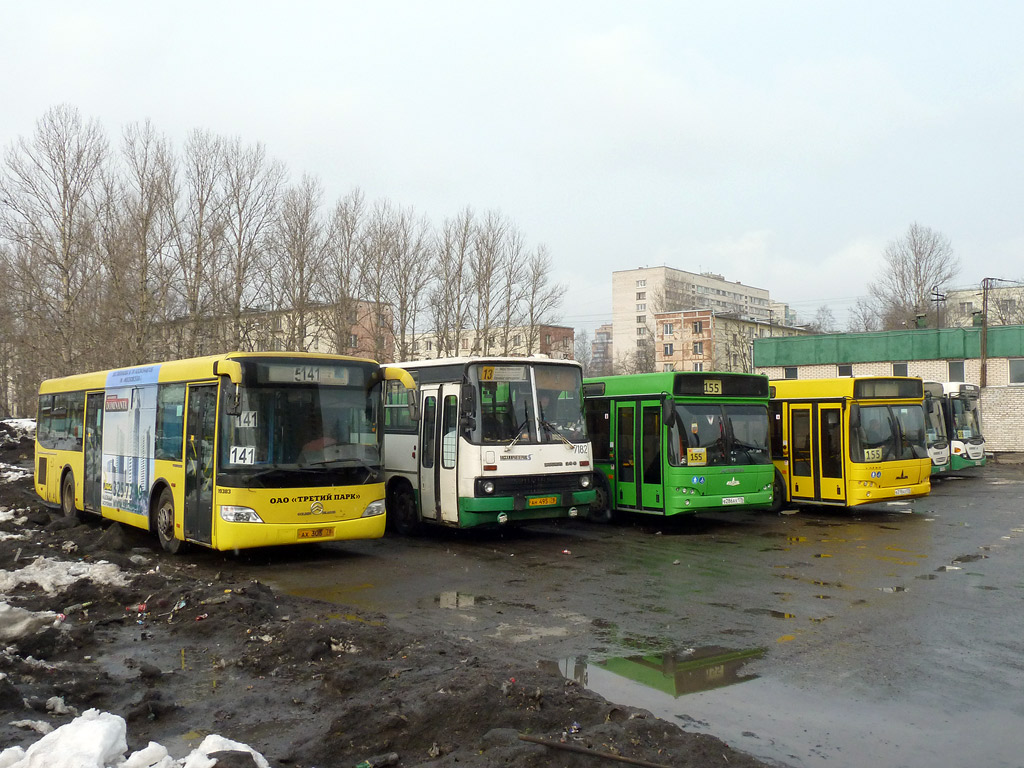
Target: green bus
(679,442)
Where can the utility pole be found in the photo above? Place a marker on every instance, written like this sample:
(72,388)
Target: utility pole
(938,297)
(984,331)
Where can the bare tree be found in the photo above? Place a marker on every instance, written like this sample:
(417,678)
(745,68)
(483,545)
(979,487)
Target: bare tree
(410,269)
(197,241)
(863,317)
(377,251)
(252,186)
(340,278)
(449,299)
(489,248)
(915,264)
(46,212)
(824,321)
(583,352)
(514,271)
(299,250)
(543,298)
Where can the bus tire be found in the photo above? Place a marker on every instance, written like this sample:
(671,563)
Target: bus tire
(601,509)
(163,522)
(402,512)
(67,496)
(778,493)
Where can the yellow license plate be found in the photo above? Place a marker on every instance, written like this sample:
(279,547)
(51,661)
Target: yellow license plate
(543,501)
(316,533)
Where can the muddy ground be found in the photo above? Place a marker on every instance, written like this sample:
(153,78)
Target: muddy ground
(185,649)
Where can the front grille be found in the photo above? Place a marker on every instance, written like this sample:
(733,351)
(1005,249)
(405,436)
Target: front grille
(530,484)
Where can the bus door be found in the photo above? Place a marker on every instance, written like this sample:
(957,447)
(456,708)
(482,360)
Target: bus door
(625,456)
(200,429)
(801,452)
(651,484)
(93,475)
(831,483)
(448,453)
(429,500)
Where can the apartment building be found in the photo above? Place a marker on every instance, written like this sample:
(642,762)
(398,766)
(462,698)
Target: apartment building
(638,294)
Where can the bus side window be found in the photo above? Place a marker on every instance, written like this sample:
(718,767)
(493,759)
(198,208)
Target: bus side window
(44,421)
(449,431)
(170,421)
(599,425)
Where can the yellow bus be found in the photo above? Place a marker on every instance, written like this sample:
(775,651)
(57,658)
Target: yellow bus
(228,451)
(849,441)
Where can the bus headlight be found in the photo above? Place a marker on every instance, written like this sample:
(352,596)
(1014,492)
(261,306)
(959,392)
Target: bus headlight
(374,508)
(584,481)
(233,514)
(488,487)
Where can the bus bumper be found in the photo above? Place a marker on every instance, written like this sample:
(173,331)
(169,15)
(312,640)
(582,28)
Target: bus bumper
(501,510)
(862,495)
(249,535)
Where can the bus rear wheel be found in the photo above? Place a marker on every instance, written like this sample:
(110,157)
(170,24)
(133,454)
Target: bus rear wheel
(601,507)
(402,512)
(164,523)
(778,493)
(67,496)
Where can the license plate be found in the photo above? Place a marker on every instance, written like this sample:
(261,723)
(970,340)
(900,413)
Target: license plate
(732,500)
(902,491)
(543,501)
(316,533)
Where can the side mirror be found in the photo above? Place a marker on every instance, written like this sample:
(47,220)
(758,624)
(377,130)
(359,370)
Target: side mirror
(232,371)
(668,411)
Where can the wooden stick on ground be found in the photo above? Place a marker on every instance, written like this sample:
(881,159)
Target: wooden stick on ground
(588,751)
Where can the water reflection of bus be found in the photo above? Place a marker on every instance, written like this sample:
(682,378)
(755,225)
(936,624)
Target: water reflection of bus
(675,442)
(935,428)
(962,415)
(676,673)
(850,441)
(501,440)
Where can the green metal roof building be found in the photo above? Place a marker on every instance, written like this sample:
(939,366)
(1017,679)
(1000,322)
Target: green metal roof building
(936,354)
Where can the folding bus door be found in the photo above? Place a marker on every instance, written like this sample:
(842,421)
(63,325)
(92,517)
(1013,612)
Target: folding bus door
(625,456)
(199,460)
(652,493)
(802,463)
(831,484)
(429,500)
(93,475)
(448,455)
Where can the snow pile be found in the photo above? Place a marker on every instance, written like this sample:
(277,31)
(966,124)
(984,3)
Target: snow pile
(54,575)
(99,740)
(17,622)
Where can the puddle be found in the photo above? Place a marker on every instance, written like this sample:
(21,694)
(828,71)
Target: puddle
(641,680)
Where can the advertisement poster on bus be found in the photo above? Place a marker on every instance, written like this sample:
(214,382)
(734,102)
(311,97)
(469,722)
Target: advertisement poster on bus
(129,426)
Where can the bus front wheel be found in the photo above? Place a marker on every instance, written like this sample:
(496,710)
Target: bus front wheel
(67,496)
(164,523)
(405,518)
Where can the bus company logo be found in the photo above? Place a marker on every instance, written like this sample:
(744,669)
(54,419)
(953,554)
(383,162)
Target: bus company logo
(115,404)
(902,476)
(514,457)
(316,508)
(733,482)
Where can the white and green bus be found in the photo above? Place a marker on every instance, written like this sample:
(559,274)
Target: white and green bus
(500,441)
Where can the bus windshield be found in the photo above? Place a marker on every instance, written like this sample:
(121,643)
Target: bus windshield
(965,417)
(527,403)
(285,434)
(889,433)
(935,427)
(704,434)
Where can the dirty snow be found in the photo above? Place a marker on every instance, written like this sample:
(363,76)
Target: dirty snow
(94,739)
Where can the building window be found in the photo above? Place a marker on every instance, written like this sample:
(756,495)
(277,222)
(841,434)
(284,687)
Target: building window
(641,295)
(430,346)
(641,283)
(668,350)
(668,367)
(698,366)
(899,369)
(641,331)
(353,341)
(517,340)
(641,307)
(639,343)
(789,372)
(698,327)
(465,343)
(698,347)
(956,370)
(641,319)
(1017,371)
(966,307)
(547,338)
(846,369)
(668,329)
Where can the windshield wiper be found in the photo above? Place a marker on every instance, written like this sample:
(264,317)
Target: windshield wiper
(556,432)
(519,434)
(372,470)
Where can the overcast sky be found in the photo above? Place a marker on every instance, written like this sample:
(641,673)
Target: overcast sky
(780,144)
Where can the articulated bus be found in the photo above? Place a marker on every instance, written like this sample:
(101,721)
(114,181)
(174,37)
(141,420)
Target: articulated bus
(672,443)
(850,441)
(228,451)
(500,441)
(962,415)
(937,440)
